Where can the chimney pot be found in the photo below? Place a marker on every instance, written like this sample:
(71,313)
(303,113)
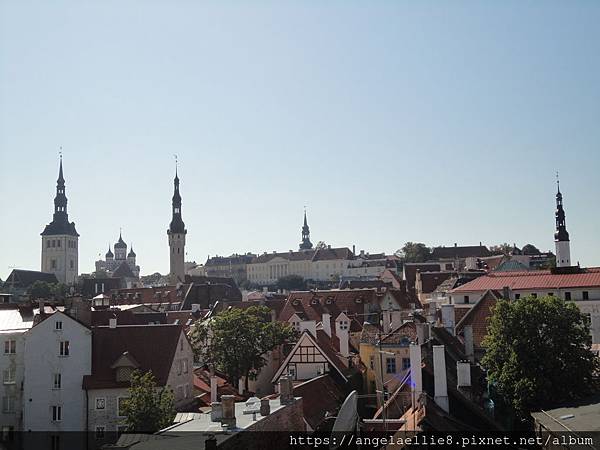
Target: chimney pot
(469,345)
(286,396)
(216,412)
(228,402)
(439,377)
(265,407)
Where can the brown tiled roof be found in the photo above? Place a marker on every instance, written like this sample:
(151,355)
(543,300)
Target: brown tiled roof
(391,276)
(152,346)
(327,254)
(312,304)
(478,317)
(403,299)
(206,293)
(148,295)
(127,317)
(410,275)
(431,280)
(406,330)
(321,396)
(323,254)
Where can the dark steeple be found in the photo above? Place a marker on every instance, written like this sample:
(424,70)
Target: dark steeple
(60,221)
(177,225)
(561,233)
(131,253)
(120,243)
(305,244)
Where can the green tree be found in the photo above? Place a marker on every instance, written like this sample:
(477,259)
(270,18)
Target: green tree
(501,249)
(236,341)
(59,290)
(538,353)
(415,252)
(40,289)
(148,407)
(291,283)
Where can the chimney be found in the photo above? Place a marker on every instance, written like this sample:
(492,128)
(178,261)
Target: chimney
(354,249)
(506,293)
(448,318)
(286,397)
(326,322)
(112,322)
(415,369)
(469,346)
(344,337)
(440,389)
(595,328)
(213,389)
(420,333)
(463,373)
(216,413)
(228,416)
(387,321)
(265,407)
(431,312)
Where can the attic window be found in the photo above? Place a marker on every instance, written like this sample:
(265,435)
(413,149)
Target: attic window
(314,301)
(124,373)
(358,300)
(296,302)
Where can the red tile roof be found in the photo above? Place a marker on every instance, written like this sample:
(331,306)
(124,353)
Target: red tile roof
(310,305)
(478,317)
(539,279)
(152,346)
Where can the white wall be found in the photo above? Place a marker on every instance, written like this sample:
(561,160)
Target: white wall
(42,360)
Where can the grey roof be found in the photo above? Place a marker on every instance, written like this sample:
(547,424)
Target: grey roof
(575,416)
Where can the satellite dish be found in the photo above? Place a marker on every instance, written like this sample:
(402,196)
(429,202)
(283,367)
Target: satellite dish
(346,418)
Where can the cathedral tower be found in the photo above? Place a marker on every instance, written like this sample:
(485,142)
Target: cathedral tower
(60,240)
(176,234)
(561,236)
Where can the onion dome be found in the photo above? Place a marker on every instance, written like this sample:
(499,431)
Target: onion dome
(131,253)
(109,254)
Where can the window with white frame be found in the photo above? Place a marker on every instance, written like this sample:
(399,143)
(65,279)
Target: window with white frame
(57,381)
(56,411)
(8,376)
(10,347)
(100,403)
(64,348)
(8,404)
(58,325)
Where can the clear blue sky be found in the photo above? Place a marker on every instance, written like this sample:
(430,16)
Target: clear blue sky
(438,122)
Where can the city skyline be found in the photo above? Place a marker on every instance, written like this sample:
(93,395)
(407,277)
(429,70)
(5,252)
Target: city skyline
(400,122)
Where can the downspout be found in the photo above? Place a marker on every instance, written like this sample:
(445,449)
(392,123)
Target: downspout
(87,419)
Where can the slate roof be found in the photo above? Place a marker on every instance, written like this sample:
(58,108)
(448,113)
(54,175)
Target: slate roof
(538,279)
(123,271)
(60,227)
(321,396)
(460,252)
(23,279)
(109,344)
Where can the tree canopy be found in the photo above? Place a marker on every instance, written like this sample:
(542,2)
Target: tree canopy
(291,283)
(538,353)
(148,407)
(236,341)
(415,252)
(501,249)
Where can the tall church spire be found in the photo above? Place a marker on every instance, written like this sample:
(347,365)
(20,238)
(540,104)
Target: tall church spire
(305,244)
(176,234)
(60,253)
(561,235)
